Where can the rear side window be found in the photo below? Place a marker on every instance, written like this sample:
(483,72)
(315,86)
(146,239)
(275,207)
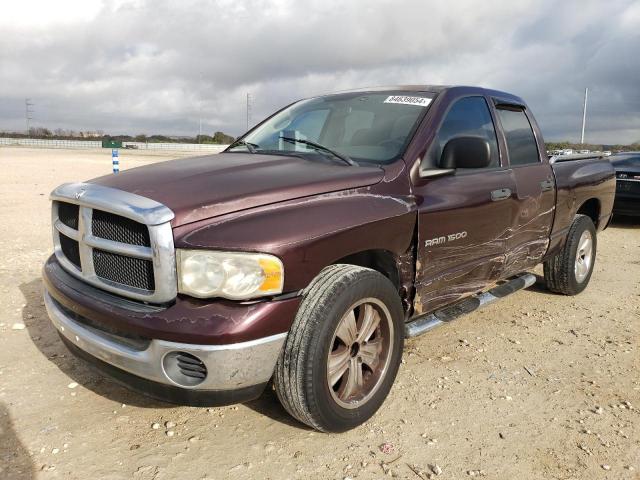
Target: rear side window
(521,143)
(468,117)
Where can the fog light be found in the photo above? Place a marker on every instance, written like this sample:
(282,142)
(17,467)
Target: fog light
(184,369)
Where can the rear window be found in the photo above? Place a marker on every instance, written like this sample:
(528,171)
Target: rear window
(521,143)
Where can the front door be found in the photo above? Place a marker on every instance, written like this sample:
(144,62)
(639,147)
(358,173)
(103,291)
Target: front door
(464,219)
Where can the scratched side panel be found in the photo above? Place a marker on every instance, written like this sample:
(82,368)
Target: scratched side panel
(529,237)
(449,270)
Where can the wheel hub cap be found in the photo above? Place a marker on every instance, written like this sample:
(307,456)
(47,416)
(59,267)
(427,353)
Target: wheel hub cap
(584,256)
(360,353)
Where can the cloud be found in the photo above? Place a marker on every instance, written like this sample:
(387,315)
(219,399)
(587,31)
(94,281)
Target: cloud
(156,66)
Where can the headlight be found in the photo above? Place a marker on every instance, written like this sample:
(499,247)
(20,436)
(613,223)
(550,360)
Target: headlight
(237,276)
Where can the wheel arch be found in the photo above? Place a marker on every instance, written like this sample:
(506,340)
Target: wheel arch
(591,208)
(382,261)
(399,269)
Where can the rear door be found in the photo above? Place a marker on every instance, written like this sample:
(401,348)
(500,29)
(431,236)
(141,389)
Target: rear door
(464,219)
(535,192)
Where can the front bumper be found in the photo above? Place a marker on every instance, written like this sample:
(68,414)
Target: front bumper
(229,367)
(235,370)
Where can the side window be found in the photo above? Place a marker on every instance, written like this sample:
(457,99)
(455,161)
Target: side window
(469,116)
(521,142)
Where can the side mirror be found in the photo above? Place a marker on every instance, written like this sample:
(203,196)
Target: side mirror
(466,152)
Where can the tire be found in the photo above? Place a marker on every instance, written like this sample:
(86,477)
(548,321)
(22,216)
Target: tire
(302,375)
(567,272)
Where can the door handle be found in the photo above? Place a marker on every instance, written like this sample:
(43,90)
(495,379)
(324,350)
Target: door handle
(546,185)
(501,194)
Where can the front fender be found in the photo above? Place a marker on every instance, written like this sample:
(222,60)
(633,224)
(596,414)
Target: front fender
(310,233)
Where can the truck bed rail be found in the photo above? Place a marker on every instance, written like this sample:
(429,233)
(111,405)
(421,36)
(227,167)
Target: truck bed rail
(575,156)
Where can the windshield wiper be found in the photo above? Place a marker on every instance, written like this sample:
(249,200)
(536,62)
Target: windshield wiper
(317,146)
(250,146)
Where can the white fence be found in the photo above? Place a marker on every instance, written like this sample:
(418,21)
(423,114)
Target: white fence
(36,142)
(85,144)
(187,147)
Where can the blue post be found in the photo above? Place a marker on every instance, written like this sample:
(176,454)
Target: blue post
(115,160)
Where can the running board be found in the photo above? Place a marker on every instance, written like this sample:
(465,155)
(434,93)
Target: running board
(424,323)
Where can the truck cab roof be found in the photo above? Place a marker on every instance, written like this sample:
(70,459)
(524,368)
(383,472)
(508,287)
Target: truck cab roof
(438,89)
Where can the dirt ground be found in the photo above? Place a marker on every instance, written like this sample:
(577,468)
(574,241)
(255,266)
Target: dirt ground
(539,386)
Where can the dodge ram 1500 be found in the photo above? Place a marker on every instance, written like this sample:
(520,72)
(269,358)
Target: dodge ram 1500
(304,254)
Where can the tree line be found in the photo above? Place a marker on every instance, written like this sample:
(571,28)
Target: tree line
(594,147)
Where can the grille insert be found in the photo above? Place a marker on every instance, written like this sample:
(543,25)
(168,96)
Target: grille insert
(129,271)
(68,214)
(119,229)
(627,183)
(117,241)
(70,249)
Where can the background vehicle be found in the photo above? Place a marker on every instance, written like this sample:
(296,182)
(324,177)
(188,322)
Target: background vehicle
(627,167)
(309,249)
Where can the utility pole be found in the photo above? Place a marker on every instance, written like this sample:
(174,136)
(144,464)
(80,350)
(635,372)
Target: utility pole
(248,111)
(28,113)
(584,114)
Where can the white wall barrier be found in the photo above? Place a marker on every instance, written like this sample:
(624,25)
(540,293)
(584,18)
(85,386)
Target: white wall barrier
(84,144)
(38,142)
(191,147)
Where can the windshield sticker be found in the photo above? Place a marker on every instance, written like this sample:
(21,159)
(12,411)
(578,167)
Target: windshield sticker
(419,101)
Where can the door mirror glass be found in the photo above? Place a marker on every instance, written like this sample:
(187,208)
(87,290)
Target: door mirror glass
(466,152)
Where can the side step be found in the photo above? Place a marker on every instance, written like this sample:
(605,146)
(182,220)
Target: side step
(424,323)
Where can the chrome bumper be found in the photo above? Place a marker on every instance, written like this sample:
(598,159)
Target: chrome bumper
(229,367)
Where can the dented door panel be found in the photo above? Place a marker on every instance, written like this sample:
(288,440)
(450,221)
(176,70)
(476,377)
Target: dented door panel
(529,239)
(462,235)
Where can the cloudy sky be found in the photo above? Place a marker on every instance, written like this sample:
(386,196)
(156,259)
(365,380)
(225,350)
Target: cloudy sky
(151,66)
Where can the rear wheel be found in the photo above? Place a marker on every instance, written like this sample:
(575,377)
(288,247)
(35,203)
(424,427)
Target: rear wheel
(343,351)
(569,272)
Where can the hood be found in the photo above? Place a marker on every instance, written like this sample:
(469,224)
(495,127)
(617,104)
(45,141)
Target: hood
(626,162)
(204,187)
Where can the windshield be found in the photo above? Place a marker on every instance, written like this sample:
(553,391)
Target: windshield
(369,127)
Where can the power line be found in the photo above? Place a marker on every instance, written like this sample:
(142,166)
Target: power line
(28,113)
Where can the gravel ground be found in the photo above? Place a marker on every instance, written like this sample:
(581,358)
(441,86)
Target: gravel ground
(539,386)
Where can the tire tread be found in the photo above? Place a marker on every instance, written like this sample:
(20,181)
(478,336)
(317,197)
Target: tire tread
(559,270)
(294,369)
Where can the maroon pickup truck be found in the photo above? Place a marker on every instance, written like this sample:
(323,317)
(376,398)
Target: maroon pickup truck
(304,255)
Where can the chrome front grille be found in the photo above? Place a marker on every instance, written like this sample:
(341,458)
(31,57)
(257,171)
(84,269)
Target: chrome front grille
(115,240)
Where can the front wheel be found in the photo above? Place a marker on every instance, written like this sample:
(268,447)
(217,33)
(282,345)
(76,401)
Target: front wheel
(343,351)
(569,272)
